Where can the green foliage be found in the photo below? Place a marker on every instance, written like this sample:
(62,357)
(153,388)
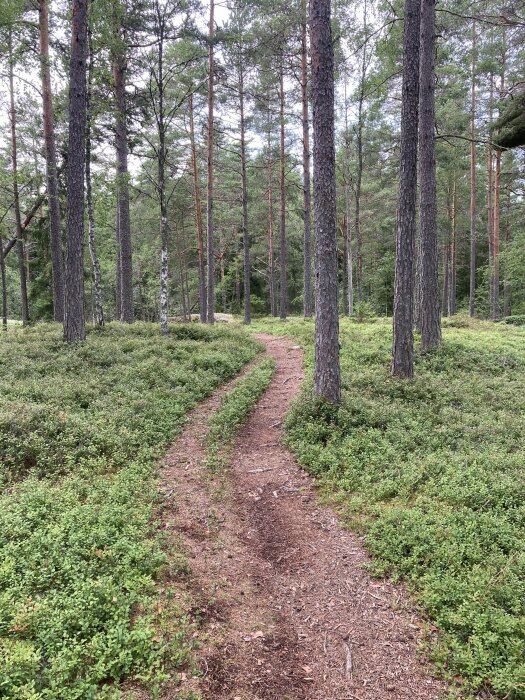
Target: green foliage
(432,470)
(518,320)
(237,405)
(80,430)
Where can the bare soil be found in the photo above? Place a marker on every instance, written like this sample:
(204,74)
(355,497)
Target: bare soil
(285,607)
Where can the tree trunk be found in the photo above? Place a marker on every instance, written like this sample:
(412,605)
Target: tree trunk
(453,251)
(74,321)
(497,205)
(429,316)
(283,309)
(16,197)
(57,262)
(271,256)
(307,286)
(348,237)
(473,233)
(327,376)
(119,65)
(210,308)
(4,286)
(198,217)
(118,270)
(446,276)
(403,339)
(490,201)
(245,235)
(99,311)
(164,230)
(506,284)
(358,183)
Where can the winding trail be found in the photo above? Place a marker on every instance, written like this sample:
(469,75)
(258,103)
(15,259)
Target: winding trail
(286,609)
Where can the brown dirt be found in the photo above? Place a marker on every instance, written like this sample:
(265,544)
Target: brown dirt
(286,609)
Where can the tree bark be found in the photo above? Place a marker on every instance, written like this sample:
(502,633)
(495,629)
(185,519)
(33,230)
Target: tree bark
(403,339)
(198,216)
(506,284)
(283,307)
(497,208)
(327,376)
(99,311)
(446,277)
(57,262)
(119,66)
(348,236)
(307,207)
(453,251)
(473,233)
(161,184)
(4,286)
(74,319)
(490,201)
(429,315)
(16,196)
(271,256)
(244,182)
(210,307)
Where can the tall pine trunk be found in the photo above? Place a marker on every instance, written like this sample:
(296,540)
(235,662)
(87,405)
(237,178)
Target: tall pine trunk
(429,316)
(16,196)
(473,232)
(453,251)
(119,65)
(497,209)
(506,283)
(99,311)
(57,262)
(244,183)
(74,320)
(4,285)
(446,277)
(307,207)
(490,201)
(327,377)
(283,307)
(198,216)
(210,307)
(403,339)
(271,256)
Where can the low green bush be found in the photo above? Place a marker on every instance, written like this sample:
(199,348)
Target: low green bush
(518,320)
(81,428)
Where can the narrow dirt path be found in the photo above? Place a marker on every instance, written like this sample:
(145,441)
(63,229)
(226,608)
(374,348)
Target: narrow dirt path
(287,611)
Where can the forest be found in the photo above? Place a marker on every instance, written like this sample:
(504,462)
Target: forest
(262,350)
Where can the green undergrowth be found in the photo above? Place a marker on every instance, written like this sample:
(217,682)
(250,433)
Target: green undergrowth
(235,408)
(433,471)
(81,429)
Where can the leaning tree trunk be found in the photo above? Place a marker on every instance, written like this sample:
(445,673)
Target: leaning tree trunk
(327,378)
(210,307)
(4,285)
(74,321)
(57,262)
(429,316)
(99,311)
(16,197)
(283,310)
(307,287)
(403,339)
(198,216)
(121,145)
(245,234)
(473,233)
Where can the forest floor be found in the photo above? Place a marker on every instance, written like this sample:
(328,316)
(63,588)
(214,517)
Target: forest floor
(286,608)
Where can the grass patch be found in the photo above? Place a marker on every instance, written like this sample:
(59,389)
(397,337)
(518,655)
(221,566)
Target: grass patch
(433,471)
(235,408)
(81,428)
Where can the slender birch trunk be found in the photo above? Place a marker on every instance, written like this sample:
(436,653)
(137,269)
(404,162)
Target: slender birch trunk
(307,207)
(244,183)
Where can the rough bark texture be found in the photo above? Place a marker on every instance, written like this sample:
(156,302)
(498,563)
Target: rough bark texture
(119,65)
(198,216)
(327,376)
(4,286)
(283,309)
(429,316)
(16,198)
(490,199)
(506,283)
(453,251)
(403,339)
(307,207)
(98,311)
(473,232)
(161,181)
(210,307)
(57,262)
(74,321)
(271,256)
(497,208)
(118,271)
(244,181)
